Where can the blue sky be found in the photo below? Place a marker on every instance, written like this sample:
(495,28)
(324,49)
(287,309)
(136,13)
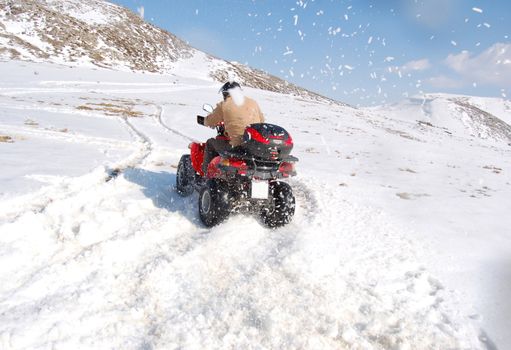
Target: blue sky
(361,52)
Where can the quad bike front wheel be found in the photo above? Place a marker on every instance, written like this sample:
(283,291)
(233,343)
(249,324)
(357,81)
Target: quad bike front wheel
(214,206)
(282,210)
(184,176)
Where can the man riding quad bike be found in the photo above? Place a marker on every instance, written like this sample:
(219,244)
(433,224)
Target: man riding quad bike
(241,168)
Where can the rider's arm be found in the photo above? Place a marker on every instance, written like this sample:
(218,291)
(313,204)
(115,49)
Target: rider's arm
(216,117)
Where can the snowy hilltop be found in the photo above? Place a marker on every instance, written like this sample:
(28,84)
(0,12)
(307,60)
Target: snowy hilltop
(400,238)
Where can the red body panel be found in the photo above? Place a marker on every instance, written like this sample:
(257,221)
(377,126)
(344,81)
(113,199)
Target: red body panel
(197,156)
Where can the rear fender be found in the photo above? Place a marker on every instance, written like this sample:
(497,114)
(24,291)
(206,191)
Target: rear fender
(197,156)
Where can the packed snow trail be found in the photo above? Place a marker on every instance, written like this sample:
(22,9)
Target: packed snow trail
(126,263)
(67,187)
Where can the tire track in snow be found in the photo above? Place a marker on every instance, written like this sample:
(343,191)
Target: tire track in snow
(57,225)
(137,158)
(141,237)
(13,209)
(168,128)
(38,203)
(144,151)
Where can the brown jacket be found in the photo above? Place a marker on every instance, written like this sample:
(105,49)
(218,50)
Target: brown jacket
(236,118)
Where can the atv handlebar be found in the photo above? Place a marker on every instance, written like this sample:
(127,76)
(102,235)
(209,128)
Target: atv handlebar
(220,127)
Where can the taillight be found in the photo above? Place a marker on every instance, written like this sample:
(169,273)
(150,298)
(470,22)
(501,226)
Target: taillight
(255,135)
(289,141)
(239,165)
(287,168)
(235,163)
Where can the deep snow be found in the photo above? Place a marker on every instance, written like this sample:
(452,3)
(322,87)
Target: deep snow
(400,239)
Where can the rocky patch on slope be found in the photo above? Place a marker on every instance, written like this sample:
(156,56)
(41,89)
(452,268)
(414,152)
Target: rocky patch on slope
(482,123)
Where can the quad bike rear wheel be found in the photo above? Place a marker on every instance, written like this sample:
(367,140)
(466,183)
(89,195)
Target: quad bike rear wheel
(184,176)
(283,208)
(214,205)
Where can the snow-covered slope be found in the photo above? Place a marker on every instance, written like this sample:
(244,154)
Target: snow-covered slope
(463,116)
(99,33)
(400,238)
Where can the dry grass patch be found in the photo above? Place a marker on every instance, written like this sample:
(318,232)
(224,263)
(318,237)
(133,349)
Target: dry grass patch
(403,195)
(6,139)
(420,122)
(122,108)
(494,169)
(311,150)
(408,170)
(403,134)
(408,196)
(31,122)
(84,108)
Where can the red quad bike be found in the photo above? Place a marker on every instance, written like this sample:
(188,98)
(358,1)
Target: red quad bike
(244,179)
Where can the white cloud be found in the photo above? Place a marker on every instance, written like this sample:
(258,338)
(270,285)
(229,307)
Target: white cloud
(492,66)
(140,11)
(418,65)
